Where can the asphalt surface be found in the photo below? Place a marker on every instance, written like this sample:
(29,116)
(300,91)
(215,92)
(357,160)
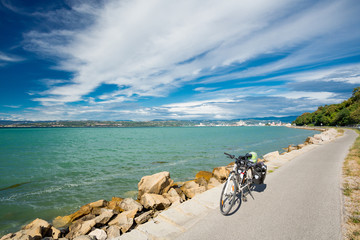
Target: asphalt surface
(300,200)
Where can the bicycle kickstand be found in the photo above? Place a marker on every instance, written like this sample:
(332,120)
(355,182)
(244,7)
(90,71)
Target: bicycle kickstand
(250,192)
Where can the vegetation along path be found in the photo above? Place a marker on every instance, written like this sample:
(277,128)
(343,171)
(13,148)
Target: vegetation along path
(301,200)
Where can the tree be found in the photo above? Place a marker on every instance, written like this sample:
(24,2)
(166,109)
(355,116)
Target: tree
(343,117)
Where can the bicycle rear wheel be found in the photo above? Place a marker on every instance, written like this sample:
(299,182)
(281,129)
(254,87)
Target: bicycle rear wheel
(228,195)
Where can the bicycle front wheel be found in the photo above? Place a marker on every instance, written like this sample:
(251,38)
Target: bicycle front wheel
(228,195)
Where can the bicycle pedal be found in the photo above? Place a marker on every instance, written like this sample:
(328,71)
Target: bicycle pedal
(244,199)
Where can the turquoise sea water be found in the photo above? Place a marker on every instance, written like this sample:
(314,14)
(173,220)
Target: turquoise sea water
(59,170)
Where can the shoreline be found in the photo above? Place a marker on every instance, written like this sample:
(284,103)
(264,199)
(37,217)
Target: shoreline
(182,191)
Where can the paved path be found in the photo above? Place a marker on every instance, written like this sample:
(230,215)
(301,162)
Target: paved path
(302,200)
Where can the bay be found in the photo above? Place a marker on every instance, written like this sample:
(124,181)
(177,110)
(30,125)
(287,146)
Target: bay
(46,172)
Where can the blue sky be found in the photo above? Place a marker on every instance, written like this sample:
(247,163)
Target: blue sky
(161,59)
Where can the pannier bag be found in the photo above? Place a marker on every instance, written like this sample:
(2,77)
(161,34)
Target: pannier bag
(259,173)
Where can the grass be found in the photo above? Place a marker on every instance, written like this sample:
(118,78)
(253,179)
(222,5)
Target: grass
(347,190)
(351,191)
(355,219)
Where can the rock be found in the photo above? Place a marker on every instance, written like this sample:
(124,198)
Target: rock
(129,204)
(181,194)
(300,146)
(202,182)
(99,234)
(221,173)
(158,183)
(114,204)
(317,136)
(116,199)
(191,188)
(190,193)
(173,196)
(271,156)
(154,201)
(204,174)
(124,220)
(144,217)
(7,236)
(189,184)
(98,204)
(177,184)
(20,235)
(37,229)
(213,183)
(105,216)
(55,233)
(84,237)
(80,227)
(60,222)
(113,232)
(290,148)
(312,140)
(96,211)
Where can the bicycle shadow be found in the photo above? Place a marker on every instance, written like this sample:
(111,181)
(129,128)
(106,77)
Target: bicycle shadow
(239,198)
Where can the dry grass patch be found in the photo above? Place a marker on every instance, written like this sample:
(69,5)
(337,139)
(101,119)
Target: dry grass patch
(351,191)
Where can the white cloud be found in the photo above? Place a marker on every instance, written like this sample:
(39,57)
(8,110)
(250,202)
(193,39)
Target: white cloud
(154,47)
(12,106)
(349,73)
(9,58)
(322,96)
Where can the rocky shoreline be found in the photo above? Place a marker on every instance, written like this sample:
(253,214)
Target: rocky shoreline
(104,219)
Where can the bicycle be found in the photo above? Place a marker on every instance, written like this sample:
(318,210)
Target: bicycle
(239,180)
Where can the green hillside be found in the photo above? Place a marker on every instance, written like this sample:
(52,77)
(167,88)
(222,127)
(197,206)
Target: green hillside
(343,114)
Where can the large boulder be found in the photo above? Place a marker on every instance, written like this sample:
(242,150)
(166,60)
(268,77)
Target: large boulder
(204,174)
(124,220)
(181,193)
(173,196)
(20,235)
(99,234)
(98,204)
(221,173)
(37,229)
(65,221)
(129,204)
(114,204)
(213,182)
(144,217)
(55,233)
(272,156)
(191,188)
(300,146)
(105,216)
(158,183)
(313,140)
(154,201)
(202,182)
(80,227)
(113,232)
(290,148)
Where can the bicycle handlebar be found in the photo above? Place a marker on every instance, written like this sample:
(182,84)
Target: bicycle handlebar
(229,155)
(246,157)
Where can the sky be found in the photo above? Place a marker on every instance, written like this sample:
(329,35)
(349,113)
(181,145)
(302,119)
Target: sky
(168,59)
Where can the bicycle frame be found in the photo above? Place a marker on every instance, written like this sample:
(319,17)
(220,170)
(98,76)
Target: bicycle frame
(243,177)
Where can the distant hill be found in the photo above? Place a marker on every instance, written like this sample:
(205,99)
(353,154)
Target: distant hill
(342,114)
(288,119)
